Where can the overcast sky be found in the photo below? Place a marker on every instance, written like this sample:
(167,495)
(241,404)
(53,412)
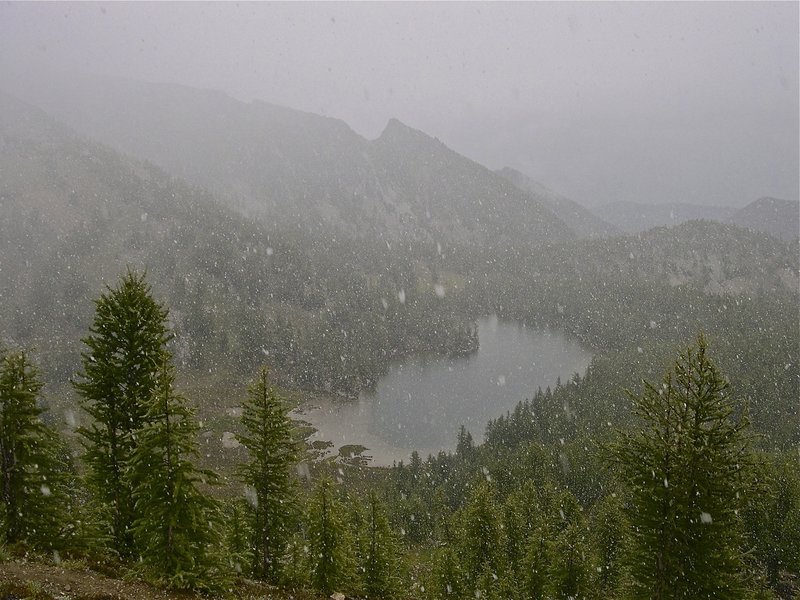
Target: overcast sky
(649,102)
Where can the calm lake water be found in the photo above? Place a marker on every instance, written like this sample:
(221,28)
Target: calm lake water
(421,403)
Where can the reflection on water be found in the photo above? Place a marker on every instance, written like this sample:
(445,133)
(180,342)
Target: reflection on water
(422,401)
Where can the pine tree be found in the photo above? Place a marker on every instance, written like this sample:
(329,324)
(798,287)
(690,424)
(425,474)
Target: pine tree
(610,540)
(177,525)
(481,544)
(570,572)
(380,567)
(32,492)
(272,452)
(123,353)
(684,469)
(238,534)
(330,559)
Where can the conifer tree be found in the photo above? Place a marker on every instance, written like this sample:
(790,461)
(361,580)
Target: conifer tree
(685,470)
(535,565)
(177,525)
(236,516)
(610,540)
(123,353)
(381,560)
(268,437)
(570,571)
(481,545)
(329,543)
(32,496)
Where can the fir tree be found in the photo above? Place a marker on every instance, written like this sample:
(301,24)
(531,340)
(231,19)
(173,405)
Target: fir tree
(610,539)
(238,535)
(330,559)
(569,575)
(684,469)
(272,450)
(177,525)
(481,535)
(380,567)
(32,467)
(123,353)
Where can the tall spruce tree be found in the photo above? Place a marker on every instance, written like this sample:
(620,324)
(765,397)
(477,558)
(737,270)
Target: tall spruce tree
(380,566)
(124,351)
(177,526)
(33,497)
(273,452)
(329,542)
(685,470)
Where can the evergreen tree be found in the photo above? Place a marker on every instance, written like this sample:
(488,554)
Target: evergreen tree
(448,578)
(381,560)
(238,535)
(329,543)
(684,469)
(570,572)
(123,354)
(535,565)
(772,518)
(272,450)
(610,540)
(481,546)
(177,525)
(32,468)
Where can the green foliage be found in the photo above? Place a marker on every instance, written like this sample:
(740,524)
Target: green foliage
(33,469)
(480,529)
(610,534)
(329,542)
(685,472)
(124,351)
(237,535)
(772,517)
(272,453)
(176,526)
(380,566)
(570,564)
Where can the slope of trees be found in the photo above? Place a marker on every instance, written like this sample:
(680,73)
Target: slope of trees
(545,507)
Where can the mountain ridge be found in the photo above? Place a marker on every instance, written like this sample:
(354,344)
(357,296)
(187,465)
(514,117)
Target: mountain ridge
(300,169)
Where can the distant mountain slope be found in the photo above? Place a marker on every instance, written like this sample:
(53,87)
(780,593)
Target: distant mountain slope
(296,168)
(74,214)
(780,218)
(632,217)
(582,221)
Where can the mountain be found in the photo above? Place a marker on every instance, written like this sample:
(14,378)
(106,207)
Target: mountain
(74,214)
(583,222)
(295,168)
(632,217)
(780,218)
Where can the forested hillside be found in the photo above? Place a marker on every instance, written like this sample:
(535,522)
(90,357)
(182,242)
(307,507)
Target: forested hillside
(326,313)
(169,335)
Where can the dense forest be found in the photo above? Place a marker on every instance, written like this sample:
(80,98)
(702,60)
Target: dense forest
(685,498)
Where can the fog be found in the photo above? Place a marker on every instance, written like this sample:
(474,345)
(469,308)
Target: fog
(644,102)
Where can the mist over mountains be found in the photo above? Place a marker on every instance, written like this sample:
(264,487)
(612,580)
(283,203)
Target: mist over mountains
(520,322)
(305,225)
(298,169)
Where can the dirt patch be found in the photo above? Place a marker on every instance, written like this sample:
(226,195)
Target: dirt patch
(43,582)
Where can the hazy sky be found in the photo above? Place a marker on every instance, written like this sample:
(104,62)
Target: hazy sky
(649,102)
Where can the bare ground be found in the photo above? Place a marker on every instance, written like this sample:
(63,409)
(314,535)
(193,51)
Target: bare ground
(31,580)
